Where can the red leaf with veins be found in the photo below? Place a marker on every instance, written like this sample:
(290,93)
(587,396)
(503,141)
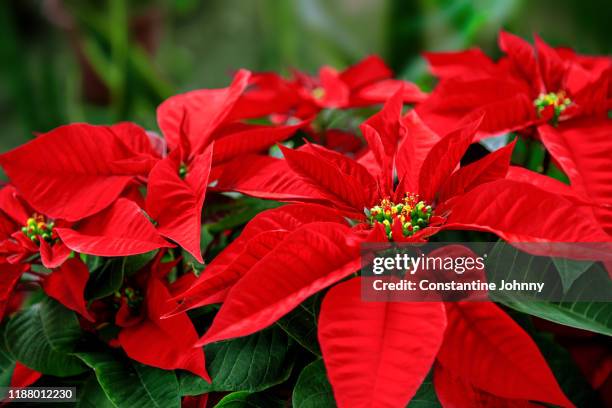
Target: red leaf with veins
(215,282)
(267,177)
(285,218)
(467,65)
(584,153)
(176,203)
(77,170)
(443,159)
(164,343)
(492,167)
(67,285)
(546,183)
(204,110)
(253,139)
(120,230)
(413,150)
(388,124)
(520,212)
(484,346)
(349,188)
(522,55)
(377,354)
(309,259)
(262,234)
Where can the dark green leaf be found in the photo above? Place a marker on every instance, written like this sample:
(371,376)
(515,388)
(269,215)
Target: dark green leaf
(7,362)
(570,270)
(425,396)
(131,384)
(105,281)
(251,363)
(91,395)
(133,264)
(591,316)
(245,399)
(42,336)
(301,324)
(313,389)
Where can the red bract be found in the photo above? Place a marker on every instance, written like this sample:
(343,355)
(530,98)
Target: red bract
(368,82)
(67,285)
(146,337)
(529,86)
(75,171)
(120,230)
(584,153)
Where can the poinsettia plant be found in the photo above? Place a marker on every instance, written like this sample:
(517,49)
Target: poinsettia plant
(216,263)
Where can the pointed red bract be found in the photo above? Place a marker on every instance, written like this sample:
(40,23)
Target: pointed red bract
(23,376)
(377,354)
(584,152)
(163,343)
(269,178)
(199,113)
(492,167)
(443,158)
(306,261)
(486,348)
(350,187)
(520,212)
(260,236)
(67,285)
(175,203)
(120,230)
(77,170)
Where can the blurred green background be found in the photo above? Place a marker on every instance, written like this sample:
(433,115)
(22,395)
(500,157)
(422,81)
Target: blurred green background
(104,61)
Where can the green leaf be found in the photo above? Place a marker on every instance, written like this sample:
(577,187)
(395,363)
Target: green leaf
(105,280)
(312,389)
(131,384)
(591,316)
(245,399)
(91,395)
(42,336)
(7,362)
(570,270)
(108,278)
(251,363)
(134,263)
(301,324)
(242,211)
(425,396)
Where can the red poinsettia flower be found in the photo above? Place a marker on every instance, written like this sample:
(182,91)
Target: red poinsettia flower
(529,86)
(287,254)
(120,230)
(27,238)
(368,82)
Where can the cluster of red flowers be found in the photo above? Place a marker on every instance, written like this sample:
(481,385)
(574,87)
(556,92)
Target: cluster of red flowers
(81,193)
